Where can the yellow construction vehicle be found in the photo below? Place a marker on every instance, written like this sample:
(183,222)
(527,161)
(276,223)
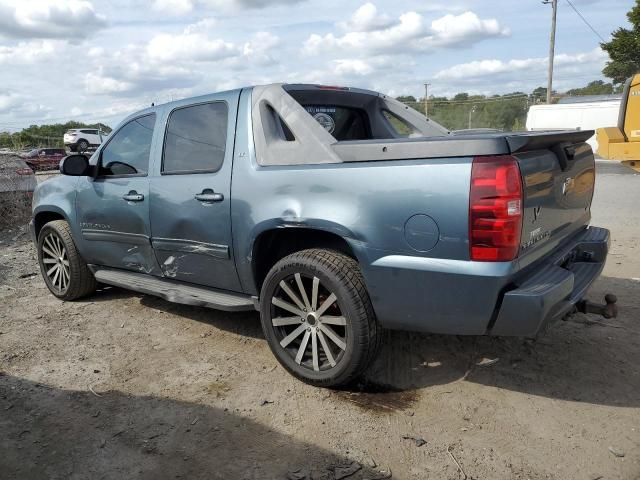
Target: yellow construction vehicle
(623,142)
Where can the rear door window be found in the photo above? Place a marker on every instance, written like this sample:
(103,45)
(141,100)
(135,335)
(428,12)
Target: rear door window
(195,139)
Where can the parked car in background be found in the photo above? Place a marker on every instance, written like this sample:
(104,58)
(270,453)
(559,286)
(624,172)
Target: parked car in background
(17,183)
(40,159)
(81,139)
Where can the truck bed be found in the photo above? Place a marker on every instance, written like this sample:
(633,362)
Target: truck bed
(454,145)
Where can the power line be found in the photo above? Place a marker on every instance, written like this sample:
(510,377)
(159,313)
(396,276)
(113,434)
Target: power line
(585,21)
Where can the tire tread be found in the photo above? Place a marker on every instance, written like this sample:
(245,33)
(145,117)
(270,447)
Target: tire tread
(346,271)
(82,282)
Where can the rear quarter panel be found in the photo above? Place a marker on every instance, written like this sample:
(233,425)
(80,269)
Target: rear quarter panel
(369,204)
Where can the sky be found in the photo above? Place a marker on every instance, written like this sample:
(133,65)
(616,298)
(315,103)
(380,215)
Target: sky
(99,60)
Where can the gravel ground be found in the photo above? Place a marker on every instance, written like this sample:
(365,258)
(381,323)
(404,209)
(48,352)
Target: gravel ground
(122,385)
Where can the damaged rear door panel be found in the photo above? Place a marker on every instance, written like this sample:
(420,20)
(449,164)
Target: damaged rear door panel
(190,197)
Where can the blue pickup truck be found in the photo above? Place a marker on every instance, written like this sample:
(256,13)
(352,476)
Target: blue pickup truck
(336,212)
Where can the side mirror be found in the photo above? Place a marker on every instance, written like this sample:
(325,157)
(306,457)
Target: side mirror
(75,165)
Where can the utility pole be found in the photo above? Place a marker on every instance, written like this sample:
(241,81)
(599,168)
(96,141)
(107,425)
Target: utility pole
(552,46)
(426,99)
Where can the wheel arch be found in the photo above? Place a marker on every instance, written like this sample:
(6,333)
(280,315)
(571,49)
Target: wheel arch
(273,244)
(45,215)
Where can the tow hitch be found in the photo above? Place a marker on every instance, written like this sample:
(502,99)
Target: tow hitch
(608,310)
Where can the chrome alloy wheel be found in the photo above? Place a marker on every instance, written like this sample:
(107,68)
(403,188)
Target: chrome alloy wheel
(316,335)
(56,262)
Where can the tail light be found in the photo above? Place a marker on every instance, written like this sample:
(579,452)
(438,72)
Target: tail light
(24,171)
(495,209)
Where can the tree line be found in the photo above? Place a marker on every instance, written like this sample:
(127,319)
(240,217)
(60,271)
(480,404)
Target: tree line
(36,136)
(502,112)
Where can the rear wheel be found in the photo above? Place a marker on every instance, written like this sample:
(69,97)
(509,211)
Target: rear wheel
(64,271)
(317,317)
(82,146)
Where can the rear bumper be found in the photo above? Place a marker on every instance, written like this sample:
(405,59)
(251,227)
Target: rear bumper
(484,298)
(551,290)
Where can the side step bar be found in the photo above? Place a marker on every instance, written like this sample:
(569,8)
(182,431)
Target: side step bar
(174,291)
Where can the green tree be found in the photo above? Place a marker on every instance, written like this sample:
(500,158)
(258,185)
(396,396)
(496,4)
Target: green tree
(406,99)
(597,87)
(624,49)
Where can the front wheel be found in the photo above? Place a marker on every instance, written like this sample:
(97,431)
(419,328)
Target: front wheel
(63,269)
(317,317)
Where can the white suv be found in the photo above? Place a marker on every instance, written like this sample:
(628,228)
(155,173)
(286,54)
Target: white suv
(81,139)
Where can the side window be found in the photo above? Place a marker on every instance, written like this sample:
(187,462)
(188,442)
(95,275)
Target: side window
(196,139)
(400,126)
(128,150)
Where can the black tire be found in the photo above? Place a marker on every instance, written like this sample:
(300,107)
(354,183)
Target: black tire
(337,274)
(80,282)
(82,146)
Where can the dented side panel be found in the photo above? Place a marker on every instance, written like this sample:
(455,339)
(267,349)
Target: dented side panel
(367,204)
(191,237)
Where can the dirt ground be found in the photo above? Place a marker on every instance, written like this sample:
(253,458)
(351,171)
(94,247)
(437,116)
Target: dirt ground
(122,385)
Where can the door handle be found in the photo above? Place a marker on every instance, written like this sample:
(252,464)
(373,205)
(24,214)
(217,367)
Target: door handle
(209,196)
(133,196)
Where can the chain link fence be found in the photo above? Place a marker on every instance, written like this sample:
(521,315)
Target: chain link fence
(17,182)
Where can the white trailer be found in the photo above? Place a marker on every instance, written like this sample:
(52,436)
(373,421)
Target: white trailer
(574,116)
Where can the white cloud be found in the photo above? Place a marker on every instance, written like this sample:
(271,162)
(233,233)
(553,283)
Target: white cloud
(188,47)
(203,26)
(174,61)
(366,19)
(258,49)
(349,67)
(9,101)
(182,7)
(128,73)
(27,52)
(100,84)
(453,30)
(410,33)
(483,68)
(173,7)
(13,103)
(49,18)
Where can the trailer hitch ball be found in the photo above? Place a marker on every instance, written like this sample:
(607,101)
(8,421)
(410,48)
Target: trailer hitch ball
(608,310)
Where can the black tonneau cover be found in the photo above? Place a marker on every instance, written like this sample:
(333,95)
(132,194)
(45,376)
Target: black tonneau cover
(460,145)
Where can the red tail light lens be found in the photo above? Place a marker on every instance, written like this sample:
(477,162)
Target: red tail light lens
(495,209)
(24,171)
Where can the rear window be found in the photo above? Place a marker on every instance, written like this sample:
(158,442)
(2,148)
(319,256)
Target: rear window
(344,123)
